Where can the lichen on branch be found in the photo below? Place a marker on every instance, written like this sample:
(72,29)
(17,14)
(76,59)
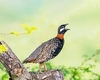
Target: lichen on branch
(3,48)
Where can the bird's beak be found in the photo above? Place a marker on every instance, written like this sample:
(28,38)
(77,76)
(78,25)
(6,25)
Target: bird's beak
(66,25)
(68,29)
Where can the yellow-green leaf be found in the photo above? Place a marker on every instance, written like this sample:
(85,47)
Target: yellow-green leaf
(15,33)
(29,29)
(3,48)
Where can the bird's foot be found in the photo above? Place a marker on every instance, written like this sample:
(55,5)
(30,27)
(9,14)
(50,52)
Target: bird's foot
(40,72)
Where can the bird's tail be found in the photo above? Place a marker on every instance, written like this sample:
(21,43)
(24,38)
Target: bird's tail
(27,60)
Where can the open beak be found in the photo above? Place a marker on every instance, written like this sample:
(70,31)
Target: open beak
(67,29)
(66,25)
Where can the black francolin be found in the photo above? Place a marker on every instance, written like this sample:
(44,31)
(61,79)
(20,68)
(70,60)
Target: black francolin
(48,49)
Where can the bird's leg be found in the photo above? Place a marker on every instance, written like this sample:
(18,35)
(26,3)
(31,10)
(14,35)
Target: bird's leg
(40,67)
(45,67)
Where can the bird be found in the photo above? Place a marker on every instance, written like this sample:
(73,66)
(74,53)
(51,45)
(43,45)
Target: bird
(48,49)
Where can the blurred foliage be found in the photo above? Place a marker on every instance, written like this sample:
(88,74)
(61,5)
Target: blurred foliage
(2,67)
(72,73)
(5,77)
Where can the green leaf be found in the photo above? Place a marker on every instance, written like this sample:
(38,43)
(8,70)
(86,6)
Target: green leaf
(5,77)
(2,67)
(86,69)
(96,60)
(64,70)
(49,65)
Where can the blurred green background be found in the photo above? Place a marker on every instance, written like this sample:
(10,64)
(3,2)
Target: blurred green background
(83,17)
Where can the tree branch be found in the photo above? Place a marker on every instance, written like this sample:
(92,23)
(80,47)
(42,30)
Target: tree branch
(17,71)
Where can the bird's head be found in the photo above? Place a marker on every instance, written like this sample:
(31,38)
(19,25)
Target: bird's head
(62,29)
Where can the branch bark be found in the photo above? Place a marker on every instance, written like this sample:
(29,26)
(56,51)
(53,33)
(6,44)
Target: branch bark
(17,71)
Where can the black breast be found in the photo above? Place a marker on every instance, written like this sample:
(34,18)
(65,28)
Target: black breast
(60,44)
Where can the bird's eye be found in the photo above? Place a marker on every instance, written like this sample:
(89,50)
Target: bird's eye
(62,29)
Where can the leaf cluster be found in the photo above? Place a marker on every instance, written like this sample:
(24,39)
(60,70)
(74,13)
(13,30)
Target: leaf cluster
(28,30)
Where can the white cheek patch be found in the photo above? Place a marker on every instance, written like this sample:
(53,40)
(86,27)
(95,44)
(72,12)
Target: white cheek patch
(62,29)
